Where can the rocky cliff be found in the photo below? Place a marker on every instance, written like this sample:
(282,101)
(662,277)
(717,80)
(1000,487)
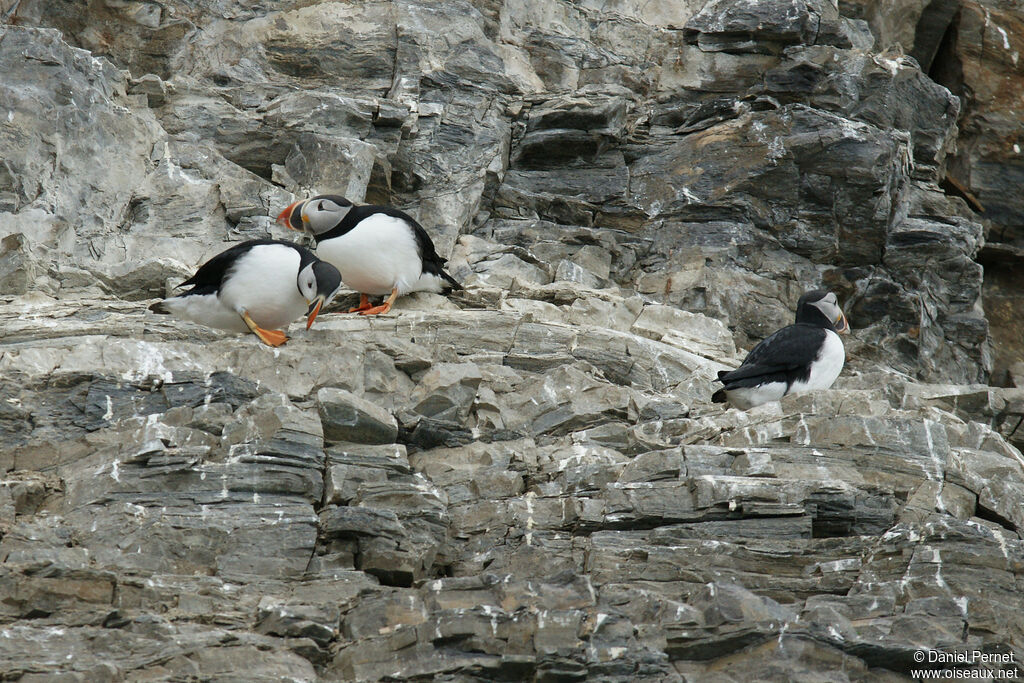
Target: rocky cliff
(526,481)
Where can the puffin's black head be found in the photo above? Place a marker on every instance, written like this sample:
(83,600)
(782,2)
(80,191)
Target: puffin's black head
(820,307)
(324,212)
(333,198)
(318,282)
(317,214)
(328,282)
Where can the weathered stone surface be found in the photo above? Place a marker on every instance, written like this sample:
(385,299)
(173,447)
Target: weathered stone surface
(973,49)
(347,417)
(695,329)
(725,26)
(526,479)
(447,391)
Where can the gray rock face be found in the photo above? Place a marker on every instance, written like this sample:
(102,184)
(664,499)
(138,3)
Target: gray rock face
(347,417)
(525,480)
(972,48)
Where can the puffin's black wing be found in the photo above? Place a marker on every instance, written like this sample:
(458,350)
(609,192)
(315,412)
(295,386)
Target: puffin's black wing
(209,276)
(432,262)
(784,356)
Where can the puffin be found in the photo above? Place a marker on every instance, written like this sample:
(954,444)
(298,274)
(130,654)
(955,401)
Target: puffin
(805,356)
(256,286)
(380,251)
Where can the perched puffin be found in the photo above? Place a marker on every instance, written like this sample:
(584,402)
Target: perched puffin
(256,286)
(805,356)
(379,250)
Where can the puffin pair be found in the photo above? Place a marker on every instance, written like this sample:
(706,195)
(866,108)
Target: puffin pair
(256,286)
(262,285)
(380,251)
(805,356)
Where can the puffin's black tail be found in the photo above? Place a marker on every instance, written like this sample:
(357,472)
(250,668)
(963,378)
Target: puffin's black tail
(434,264)
(455,284)
(160,308)
(719,396)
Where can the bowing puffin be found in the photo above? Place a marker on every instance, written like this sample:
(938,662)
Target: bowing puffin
(379,250)
(805,356)
(256,286)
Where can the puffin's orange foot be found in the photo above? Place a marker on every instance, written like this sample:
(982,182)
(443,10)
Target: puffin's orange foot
(268,337)
(271,337)
(364,304)
(384,307)
(377,310)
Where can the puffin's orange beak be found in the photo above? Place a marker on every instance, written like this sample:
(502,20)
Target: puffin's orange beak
(285,217)
(314,309)
(842,325)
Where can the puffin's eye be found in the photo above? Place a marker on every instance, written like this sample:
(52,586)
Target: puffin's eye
(320,206)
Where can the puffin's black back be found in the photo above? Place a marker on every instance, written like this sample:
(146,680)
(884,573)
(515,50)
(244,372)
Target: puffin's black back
(208,278)
(432,262)
(785,356)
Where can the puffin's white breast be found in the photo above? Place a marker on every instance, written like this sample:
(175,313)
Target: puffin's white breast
(376,256)
(263,282)
(825,368)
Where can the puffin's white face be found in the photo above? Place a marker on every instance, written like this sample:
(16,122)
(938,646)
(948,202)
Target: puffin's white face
(307,283)
(320,215)
(829,305)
